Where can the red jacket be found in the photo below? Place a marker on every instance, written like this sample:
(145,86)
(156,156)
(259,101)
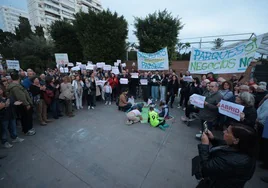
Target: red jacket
(113,82)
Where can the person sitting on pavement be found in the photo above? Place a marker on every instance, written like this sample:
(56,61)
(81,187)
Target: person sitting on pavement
(154,120)
(164,112)
(229,163)
(123,104)
(134,116)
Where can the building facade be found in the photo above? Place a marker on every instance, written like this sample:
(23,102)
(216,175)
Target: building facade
(44,12)
(9,18)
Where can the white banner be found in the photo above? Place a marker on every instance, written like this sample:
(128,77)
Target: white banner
(61,59)
(90,67)
(115,70)
(13,64)
(197,100)
(123,81)
(144,82)
(231,109)
(134,75)
(107,67)
(77,68)
(233,60)
(153,61)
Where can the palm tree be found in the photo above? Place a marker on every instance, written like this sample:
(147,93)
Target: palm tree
(218,43)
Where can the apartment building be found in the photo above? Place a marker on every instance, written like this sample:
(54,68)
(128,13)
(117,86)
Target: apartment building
(9,18)
(44,12)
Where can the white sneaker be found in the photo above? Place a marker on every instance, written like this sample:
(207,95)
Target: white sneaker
(30,133)
(92,107)
(110,103)
(77,108)
(88,107)
(81,107)
(8,145)
(17,140)
(106,103)
(198,136)
(179,107)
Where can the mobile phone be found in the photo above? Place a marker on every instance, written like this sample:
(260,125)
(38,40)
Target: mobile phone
(205,127)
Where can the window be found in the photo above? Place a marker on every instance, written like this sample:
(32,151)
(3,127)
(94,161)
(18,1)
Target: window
(52,8)
(67,13)
(39,5)
(68,8)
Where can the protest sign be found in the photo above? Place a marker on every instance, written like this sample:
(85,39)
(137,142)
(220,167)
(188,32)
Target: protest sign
(187,78)
(116,64)
(153,61)
(100,82)
(233,60)
(64,70)
(118,61)
(123,81)
(197,100)
(115,70)
(70,64)
(77,68)
(78,63)
(144,81)
(123,64)
(231,109)
(100,65)
(13,64)
(61,59)
(134,75)
(83,67)
(89,63)
(107,67)
(90,67)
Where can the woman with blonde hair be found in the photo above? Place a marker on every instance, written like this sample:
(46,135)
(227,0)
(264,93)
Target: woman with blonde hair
(67,95)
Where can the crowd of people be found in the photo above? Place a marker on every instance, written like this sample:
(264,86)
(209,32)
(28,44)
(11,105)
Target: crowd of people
(53,94)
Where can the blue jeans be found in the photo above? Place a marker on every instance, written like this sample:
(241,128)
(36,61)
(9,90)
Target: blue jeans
(163,93)
(55,108)
(8,126)
(155,91)
(107,97)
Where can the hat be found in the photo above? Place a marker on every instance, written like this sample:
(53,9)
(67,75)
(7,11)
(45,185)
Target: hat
(263,84)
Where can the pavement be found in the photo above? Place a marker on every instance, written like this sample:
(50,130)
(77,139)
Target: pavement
(95,149)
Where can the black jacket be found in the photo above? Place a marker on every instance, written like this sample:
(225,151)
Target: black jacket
(172,88)
(225,167)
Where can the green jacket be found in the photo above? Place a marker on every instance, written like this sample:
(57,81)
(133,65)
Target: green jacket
(19,93)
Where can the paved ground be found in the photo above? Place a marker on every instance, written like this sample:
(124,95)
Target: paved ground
(96,149)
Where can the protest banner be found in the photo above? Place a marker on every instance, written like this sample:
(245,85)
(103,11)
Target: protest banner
(13,64)
(90,67)
(187,78)
(144,82)
(107,67)
(231,109)
(123,81)
(100,82)
(233,60)
(61,59)
(134,75)
(153,61)
(197,100)
(100,65)
(115,70)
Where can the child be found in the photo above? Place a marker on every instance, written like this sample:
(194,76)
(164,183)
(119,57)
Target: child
(107,93)
(164,110)
(154,121)
(134,116)
(131,100)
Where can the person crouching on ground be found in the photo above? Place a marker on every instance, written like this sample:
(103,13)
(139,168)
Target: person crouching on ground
(154,121)
(164,110)
(134,116)
(123,104)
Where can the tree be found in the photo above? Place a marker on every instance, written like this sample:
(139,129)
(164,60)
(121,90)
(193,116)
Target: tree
(158,30)
(218,43)
(24,29)
(39,31)
(34,52)
(102,35)
(66,41)
(6,40)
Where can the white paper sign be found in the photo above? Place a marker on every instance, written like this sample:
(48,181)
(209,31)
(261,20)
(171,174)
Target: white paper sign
(77,68)
(100,65)
(107,67)
(115,70)
(83,67)
(100,82)
(116,64)
(64,70)
(78,63)
(89,63)
(118,61)
(144,82)
(13,64)
(123,81)
(197,100)
(124,65)
(62,59)
(231,109)
(187,78)
(90,67)
(134,75)
(70,64)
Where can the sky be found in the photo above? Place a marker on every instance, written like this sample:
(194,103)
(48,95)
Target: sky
(200,17)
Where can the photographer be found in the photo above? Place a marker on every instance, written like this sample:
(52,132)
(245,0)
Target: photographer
(230,163)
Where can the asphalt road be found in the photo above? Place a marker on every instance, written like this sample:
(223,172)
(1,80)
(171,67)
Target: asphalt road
(96,149)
